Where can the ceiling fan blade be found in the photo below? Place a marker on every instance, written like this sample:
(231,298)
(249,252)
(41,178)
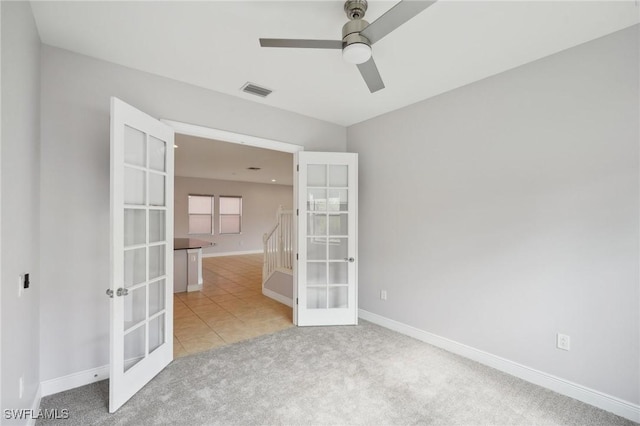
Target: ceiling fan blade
(369,72)
(394,17)
(299,43)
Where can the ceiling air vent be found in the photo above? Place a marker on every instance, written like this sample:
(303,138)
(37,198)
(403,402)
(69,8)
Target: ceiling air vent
(254,89)
(253,168)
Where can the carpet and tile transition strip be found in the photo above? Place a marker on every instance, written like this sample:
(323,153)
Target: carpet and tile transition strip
(348,375)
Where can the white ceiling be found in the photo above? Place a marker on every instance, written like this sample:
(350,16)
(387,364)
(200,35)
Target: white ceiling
(214,45)
(211,159)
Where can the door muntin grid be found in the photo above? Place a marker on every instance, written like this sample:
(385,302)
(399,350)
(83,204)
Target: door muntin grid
(327,239)
(146,247)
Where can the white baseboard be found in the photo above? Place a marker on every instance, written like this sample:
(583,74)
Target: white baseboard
(278,297)
(61,384)
(194,287)
(232,253)
(281,270)
(284,270)
(590,396)
(35,406)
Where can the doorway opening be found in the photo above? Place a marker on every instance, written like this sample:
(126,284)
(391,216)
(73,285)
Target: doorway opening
(244,293)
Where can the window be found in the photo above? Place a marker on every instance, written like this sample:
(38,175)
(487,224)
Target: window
(230,215)
(201,214)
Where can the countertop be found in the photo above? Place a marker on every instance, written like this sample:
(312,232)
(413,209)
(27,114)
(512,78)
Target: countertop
(189,243)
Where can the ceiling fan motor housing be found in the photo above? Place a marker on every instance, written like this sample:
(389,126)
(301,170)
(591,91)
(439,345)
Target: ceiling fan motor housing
(351,32)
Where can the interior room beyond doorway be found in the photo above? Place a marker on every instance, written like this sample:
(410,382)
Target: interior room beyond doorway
(230,306)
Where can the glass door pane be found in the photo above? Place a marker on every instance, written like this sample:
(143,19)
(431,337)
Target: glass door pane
(157,189)
(135,227)
(134,347)
(338,175)
(134,186)
(156,297)
(135,307)
(157,154)
(135,262)
(156,226)
(156,332)
(135,147)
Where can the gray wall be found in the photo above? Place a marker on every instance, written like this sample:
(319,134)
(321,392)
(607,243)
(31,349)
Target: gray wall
(75,185)
(505,211)
(20,203)
(259,205)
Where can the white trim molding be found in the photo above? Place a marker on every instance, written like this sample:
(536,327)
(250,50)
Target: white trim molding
(61,384)
(194,287)
(232,137)
(232,253)
(286,271)
(278,297)
(35,406)
(590,396)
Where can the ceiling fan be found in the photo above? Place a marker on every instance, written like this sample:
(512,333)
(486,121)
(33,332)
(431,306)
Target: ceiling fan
(358,35)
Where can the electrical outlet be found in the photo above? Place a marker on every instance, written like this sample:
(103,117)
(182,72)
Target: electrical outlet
(23,283)
(563,342)
(383,294)
(20,387)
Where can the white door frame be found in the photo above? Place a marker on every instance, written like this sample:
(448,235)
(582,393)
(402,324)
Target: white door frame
(231,137)
(254,141)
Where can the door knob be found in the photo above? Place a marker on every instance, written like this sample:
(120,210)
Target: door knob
(110,293)
(349,259)
(122,292)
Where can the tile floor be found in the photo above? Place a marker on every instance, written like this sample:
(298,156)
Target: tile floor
(229,308)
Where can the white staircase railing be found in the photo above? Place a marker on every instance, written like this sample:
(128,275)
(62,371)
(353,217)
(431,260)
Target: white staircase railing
(278,244)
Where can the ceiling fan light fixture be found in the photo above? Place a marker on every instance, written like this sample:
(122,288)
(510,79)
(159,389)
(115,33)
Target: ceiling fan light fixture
(357,53)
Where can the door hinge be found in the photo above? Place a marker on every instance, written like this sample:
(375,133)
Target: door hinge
(297,212)
(296,256)
(297,167)
(296,300)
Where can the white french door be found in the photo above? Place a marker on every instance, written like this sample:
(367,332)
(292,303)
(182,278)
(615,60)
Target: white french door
(326,273)
(141,337)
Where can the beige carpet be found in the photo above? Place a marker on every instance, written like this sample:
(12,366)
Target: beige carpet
(359,375)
